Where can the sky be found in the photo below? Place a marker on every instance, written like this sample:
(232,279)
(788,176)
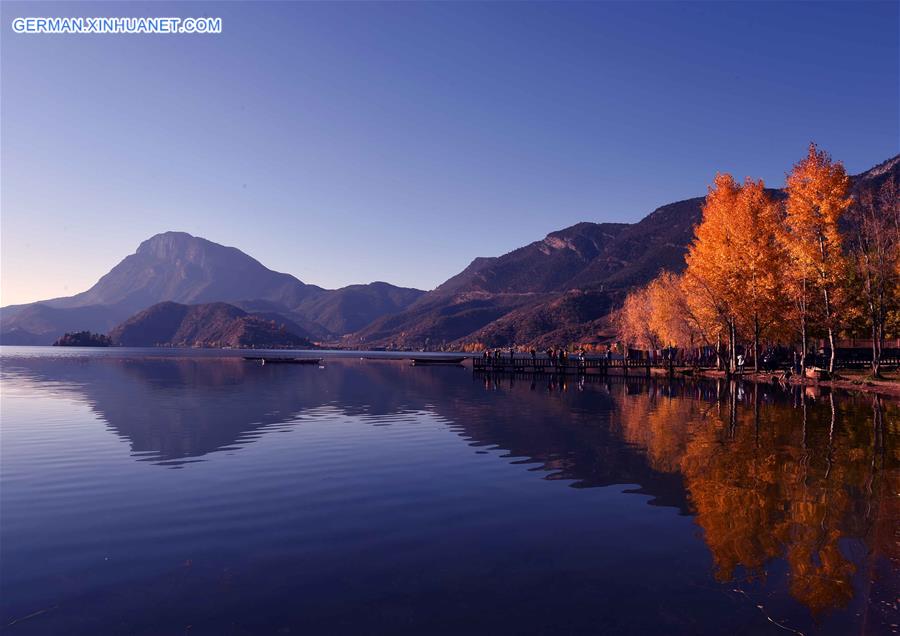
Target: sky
(352,142)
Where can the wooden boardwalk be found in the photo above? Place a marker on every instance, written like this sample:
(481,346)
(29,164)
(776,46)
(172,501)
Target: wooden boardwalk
(641,367)
(573,365)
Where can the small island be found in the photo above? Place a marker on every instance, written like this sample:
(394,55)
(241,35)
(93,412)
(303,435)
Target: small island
(83,339)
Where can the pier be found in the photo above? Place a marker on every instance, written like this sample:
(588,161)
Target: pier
(571,366)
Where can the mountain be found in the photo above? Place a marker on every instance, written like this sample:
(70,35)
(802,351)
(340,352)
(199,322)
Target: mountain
(542,266)
(351,308)
(559,289)
(205,325)
(549,289)
(178,267)
(42,324)
(188,269)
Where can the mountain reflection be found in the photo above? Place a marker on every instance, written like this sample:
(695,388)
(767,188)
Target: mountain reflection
(174,410)
(771,475)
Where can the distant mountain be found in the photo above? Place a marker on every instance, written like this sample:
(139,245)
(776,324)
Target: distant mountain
(524,296)
(559,289)
(178,267)
(351,308)
(188,269)
(205,325)
(42,324)
(543,266)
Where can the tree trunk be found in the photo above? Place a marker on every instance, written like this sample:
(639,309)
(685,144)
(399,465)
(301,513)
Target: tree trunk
(833,352)
(732,334)
(876,350)
(823,274)
(875,302)
(803,339)
(804,336)
(756,343)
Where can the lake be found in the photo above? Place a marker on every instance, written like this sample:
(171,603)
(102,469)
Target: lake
(173,492)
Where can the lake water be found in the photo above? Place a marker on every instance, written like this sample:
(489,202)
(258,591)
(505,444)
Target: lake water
(155,493)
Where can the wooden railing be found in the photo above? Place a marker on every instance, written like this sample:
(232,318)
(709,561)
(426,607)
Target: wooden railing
(526,364)
(858,362)
(601,365)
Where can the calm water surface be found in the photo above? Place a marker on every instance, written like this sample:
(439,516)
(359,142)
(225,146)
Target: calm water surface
(193,494)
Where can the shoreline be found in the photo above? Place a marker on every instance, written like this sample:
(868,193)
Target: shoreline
(886,386)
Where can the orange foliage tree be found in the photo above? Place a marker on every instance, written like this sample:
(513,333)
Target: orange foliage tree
(671,316)
(818,196)
(756,265)
(760,259)
(632,321)
(712,261)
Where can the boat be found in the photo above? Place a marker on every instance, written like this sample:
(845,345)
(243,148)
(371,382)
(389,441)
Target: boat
(434,361)
(283,360)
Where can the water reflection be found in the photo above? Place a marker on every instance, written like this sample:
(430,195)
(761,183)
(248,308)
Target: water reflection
(803,475)
(174,410)
(811,481)
(771,473)
(789,487)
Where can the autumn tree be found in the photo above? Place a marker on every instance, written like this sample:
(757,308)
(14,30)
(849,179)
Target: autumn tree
(633,321)
(817,190)
(711,274)
(704,314)
(875,259)
(800,287)
(671,317)
(760,259)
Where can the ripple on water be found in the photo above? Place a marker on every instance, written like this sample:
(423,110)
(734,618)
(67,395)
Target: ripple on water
(178,491)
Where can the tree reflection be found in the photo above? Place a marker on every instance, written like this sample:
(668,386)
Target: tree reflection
(806,482)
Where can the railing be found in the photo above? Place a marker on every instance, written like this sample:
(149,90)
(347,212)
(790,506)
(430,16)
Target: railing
(861,363)
(859,358)
(508,364)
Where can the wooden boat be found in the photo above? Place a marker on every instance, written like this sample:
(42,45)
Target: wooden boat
(434,361)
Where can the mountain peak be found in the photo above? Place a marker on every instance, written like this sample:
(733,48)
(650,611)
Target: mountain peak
(168,245)
(179,268)
(170,234)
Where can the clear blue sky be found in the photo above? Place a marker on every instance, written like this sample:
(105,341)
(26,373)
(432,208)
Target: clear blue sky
(355,142)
